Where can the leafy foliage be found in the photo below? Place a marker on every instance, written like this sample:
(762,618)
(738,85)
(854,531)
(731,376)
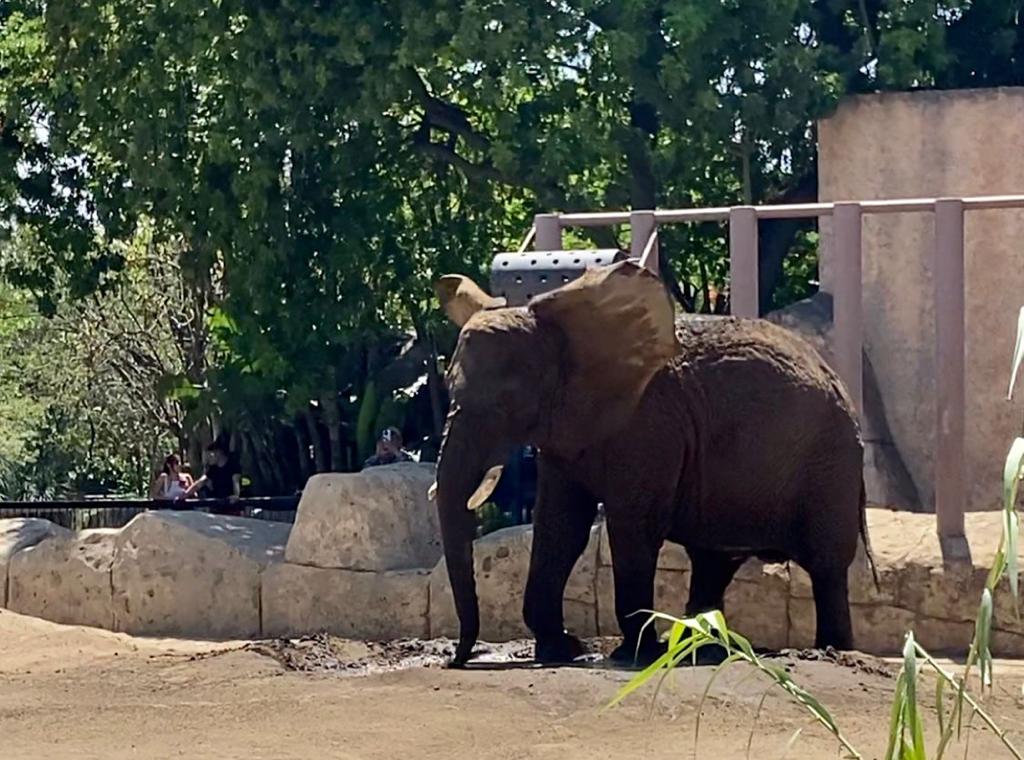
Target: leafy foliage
(312,166)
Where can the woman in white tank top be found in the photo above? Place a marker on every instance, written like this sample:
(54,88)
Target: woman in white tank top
(171,484)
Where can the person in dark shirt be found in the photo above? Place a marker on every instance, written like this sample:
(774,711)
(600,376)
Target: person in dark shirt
(389,449)
(222,480)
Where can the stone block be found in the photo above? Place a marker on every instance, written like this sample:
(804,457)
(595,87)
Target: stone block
(20,533)
(756,604)
(299,600)
(192,574)
(671,557)
(671,590)
(502,561)
(65,579)
(378,519)
(1007,644)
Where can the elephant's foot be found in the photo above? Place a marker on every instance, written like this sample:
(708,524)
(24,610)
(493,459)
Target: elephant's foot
(558,650)
(626,653)
(463,654)
(709,654)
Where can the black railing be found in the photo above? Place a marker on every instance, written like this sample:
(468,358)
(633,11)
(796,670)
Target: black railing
(115,513)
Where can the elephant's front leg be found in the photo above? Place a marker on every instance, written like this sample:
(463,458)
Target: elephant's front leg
(562,518)
(634,564)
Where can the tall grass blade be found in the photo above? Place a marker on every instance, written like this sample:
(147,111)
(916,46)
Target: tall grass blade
(1018,354)
(913,717)
(791,742)
(703,697)
(896,717)
(757,716)
(983,638)
(1011,531)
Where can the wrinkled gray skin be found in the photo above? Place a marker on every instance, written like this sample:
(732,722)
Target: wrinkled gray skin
(743,445)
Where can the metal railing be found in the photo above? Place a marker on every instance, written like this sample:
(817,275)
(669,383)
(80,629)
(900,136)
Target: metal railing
(847,294)
(115,513)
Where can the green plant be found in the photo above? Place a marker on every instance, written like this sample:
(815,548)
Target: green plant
(492,518)
(906,733)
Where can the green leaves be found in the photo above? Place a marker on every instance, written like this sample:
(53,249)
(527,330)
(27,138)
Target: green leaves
(686,636)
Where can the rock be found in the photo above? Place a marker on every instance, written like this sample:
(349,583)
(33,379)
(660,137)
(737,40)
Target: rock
(671,589)
(881,629)
(502,562)
(862,588)
(877,629)
(65,579)
(671,557)
(20,533)
(757,604)
(192,574)
(378,519)
(299,600)
(1007,644)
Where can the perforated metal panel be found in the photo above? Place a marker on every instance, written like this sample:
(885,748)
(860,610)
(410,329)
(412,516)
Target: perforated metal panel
(521,276)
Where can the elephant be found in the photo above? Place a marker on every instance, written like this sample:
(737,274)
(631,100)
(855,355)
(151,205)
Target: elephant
(731,437)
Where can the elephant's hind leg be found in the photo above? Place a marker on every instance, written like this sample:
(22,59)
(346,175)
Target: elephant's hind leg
(711,575)
(832,608)
(562,518)
(634,564)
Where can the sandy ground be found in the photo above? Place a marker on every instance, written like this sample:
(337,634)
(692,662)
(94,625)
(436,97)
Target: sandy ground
(68,692)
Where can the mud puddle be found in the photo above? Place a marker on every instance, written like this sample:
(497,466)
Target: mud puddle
(328,654)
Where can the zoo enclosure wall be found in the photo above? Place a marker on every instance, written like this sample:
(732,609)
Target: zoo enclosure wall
(847,293)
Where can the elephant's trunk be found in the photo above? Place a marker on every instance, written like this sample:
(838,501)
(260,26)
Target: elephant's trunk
(462,486)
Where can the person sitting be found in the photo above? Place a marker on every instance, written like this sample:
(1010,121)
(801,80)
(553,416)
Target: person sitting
(389,449)
(171,483)
(222,480)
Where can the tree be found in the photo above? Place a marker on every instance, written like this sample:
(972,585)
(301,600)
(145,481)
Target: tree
(313,165)
(81,387)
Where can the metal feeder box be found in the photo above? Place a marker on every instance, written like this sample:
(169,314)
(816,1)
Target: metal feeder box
(519,276)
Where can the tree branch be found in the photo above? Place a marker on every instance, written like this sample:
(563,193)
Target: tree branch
(444,115)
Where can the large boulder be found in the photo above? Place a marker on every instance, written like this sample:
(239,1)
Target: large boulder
(65,578)
(20,533)
(502,562)
(379,519)
(300,600)
(192,574)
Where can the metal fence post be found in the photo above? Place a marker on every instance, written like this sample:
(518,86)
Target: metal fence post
(549,232)
(848,305)
(743,296)
(642,226)
(950,467)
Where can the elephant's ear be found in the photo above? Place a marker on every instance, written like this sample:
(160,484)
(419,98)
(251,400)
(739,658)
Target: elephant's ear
(461,298)
(619,323)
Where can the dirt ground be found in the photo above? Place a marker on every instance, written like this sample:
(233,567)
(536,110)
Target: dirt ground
(68,692)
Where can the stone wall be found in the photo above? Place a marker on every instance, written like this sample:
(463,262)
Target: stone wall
(187,574)
(933,144)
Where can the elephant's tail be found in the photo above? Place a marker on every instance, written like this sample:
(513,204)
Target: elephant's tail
(864,535)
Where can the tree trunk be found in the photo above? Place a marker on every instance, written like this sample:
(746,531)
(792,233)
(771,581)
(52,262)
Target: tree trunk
(321,457)
(332,419)
(304,462)
(775,239)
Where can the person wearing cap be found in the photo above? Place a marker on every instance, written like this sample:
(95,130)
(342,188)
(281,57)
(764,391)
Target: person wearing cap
(389,449)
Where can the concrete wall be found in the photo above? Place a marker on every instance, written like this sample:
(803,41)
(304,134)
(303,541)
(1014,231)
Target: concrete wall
(931,145)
